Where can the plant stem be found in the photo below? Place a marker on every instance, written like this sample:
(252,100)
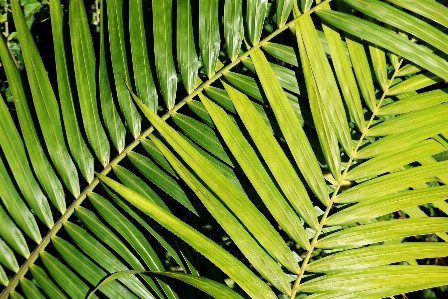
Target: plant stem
(335,193)
(57,226)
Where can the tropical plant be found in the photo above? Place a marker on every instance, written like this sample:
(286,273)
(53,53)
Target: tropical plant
(328,134)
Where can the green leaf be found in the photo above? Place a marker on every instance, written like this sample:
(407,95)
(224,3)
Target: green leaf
(7,258)
(375,207)
(209,286)
(283,10)
(84,66)
(414,83)
(106,259)
(305,5)
(88,269)
(14,151)
(255,14)
(12,235)
(30,289)
(261,261)
(144,83)
(200,111)
(379,64)
(233,27)
(202,135)
(15,295)
(120,66)
(388,40)
(157,156)
(47,109)
(153,228)
(187,58)
(135,238)
(46,284)
(111,118)
(64,277)
(132,181)
(161,179)
(209,39)
(383,231)
(78,148)
(225,261)
(16,207)
(3,277)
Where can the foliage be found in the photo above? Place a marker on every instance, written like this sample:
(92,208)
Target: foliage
(311,161)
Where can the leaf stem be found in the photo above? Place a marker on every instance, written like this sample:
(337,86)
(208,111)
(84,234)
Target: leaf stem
(57,226)
(341,180)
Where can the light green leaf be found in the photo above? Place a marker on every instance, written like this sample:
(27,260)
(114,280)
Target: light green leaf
(232,197)
(402,20)
(414,83)
(388,161)
(378,206)
(377,255)
(276,160)
(417,102)
(383,231)
(326,83)
(383,281)
(410,121)
(130,180)
(202,135)
(3,277)
(393,182)
(430,9)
